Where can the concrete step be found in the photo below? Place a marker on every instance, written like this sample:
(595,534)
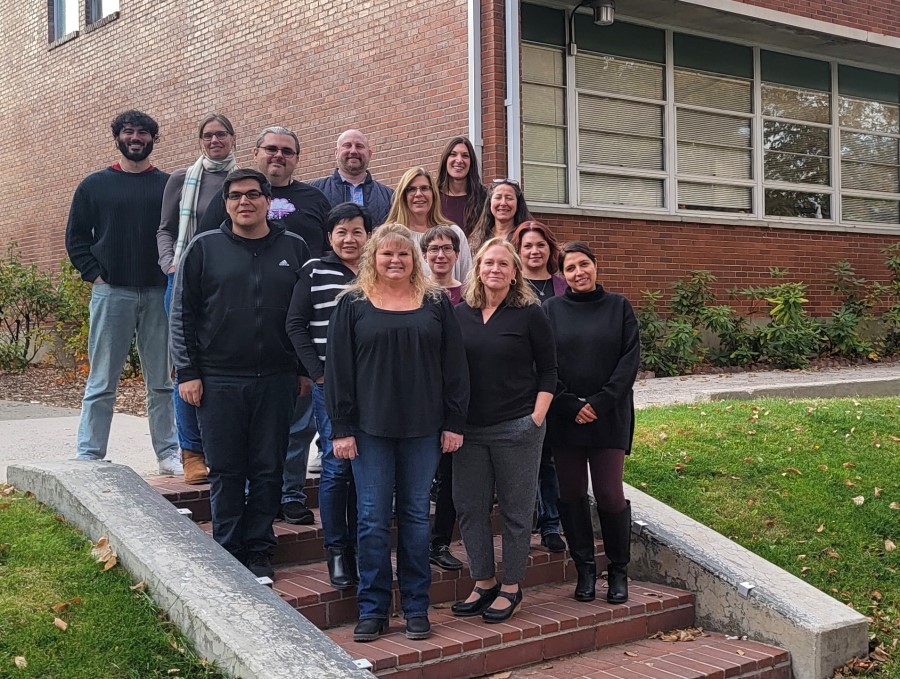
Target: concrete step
(549,624)
(307,588)
(712,656)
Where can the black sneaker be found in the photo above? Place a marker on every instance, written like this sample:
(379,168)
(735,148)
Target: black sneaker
(260,565)
(441,557)
(553,542)
(296,512)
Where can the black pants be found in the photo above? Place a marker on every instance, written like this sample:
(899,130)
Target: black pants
(444,509)
(244,422)
(605,465)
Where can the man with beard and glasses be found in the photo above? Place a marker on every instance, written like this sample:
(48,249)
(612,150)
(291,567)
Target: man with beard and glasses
(111,240)
(302,210)
(352,182)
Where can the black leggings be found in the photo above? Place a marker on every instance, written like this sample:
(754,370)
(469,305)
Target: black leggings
(605,465)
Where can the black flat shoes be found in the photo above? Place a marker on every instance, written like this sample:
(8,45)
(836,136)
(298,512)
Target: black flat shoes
(485,598)
(495,615)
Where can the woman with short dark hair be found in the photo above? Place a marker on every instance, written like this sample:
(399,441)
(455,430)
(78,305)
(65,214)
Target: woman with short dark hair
(591,422)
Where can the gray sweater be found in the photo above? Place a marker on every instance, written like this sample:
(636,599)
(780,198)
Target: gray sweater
(210,186)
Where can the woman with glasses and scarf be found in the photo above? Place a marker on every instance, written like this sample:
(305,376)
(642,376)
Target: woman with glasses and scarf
(504,210)
(417,206)
(187,194)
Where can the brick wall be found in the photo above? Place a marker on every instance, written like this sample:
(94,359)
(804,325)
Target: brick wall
(879,16)
(651,255)
(395,68)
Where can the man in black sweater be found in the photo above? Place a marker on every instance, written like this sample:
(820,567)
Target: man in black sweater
(110,239)
(236,364)
(302,210)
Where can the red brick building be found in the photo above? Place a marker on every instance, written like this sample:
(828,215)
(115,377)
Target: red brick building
(717,134)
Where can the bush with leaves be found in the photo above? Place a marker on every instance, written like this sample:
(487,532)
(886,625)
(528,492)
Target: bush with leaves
(843,332)
(27,303)
(668,346)
(890,319)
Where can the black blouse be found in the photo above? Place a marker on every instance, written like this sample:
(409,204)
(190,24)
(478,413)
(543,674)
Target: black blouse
(397,374)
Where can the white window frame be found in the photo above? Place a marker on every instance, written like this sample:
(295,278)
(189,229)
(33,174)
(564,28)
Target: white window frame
(758,183)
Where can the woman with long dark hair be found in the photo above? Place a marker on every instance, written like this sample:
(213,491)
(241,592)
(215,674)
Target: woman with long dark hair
(459,181)
(504,209)
(592,417)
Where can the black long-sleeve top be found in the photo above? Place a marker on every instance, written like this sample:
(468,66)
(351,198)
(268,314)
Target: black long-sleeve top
(397,374)
(598,349)
(112,227)
(511,358)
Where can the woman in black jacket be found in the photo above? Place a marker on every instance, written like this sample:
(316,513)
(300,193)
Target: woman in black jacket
(591,420)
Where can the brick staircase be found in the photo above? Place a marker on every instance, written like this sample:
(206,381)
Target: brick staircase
(550,636)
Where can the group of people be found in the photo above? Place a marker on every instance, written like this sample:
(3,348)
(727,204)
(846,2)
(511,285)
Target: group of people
(436,337)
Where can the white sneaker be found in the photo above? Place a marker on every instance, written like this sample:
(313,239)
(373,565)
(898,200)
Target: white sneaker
(171,466)
(315,464)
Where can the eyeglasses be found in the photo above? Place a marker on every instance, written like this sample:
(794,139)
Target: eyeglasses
(514,182)
(434,249)
(252,194)
(273,150)
(410,190)
(220,135)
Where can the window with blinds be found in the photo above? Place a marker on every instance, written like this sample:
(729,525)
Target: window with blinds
(714,125)
(651,119)
(869,118)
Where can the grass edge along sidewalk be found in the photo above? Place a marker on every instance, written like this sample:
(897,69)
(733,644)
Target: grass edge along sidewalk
(810,485)
(64,615)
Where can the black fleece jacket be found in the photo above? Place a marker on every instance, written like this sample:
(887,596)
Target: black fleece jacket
(598,351)
(230,302)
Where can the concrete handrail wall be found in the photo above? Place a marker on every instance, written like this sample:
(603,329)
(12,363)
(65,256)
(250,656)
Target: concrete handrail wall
(740,593)
(228,616)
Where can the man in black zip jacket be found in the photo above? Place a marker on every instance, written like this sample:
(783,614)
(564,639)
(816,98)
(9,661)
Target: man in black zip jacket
(236,364)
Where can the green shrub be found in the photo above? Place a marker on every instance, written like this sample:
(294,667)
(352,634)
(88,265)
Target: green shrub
(27,303)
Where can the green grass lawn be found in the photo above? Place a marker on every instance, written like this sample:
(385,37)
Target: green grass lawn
(811,485)
(111,630)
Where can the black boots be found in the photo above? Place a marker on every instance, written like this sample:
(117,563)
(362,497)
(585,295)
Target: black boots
(616,529)
(342,568)
(576,522)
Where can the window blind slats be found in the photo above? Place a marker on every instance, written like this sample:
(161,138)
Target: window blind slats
(711,128)
(599,148)
(600,189)
(616,75)
(542,104)
(869,115)
(694,196)
(870,210)
(540,65)
(714,161)
(618,115)
(791,102)
(703,89)
(545,184)
(868,177)
(544,144)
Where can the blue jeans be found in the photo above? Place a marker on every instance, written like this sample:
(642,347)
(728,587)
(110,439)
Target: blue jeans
(303,431)
(117,313)
(186,425)
(337,491)
(383,467)
(547,495)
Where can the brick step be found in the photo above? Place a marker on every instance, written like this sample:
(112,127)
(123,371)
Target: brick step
(305,544)
(549,624)
(712,656)
(196,498)
(307,588)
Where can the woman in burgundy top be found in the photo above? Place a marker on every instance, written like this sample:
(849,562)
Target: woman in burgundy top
(459,181)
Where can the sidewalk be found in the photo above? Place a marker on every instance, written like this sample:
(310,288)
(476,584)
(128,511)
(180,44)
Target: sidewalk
(33,432)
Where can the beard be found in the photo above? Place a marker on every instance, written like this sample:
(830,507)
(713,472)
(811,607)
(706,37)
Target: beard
(135,156)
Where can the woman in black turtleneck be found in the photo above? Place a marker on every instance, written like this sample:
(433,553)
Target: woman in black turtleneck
(591,419)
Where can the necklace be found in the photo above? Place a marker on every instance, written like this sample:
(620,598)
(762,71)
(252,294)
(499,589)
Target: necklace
(542,290)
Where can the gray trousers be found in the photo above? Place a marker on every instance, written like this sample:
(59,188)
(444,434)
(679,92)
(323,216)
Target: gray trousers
(504,456)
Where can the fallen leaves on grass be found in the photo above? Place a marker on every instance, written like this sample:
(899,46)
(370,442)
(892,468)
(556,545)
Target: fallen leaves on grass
(889,546)
(821,528)
(823,467)
(792,470)
(104,553)
(61,624)
(858,500)
(868,665)
(848,465)
(60,608)
(20,662)
(140,587)
(894,505)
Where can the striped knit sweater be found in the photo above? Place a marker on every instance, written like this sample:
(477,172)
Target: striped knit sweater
(320,282)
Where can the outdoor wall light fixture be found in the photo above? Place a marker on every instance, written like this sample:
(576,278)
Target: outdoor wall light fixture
(604,15)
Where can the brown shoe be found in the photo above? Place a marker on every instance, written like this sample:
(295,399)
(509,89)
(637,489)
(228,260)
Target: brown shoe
(194,467)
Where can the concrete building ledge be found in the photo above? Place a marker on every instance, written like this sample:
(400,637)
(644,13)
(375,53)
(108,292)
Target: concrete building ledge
(740,593)
(228,616)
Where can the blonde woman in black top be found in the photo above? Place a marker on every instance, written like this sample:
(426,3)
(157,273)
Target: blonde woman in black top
(512,371)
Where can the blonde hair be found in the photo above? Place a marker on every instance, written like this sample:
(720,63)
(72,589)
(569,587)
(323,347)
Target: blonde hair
(366,284)
(399,213)
(520,293)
